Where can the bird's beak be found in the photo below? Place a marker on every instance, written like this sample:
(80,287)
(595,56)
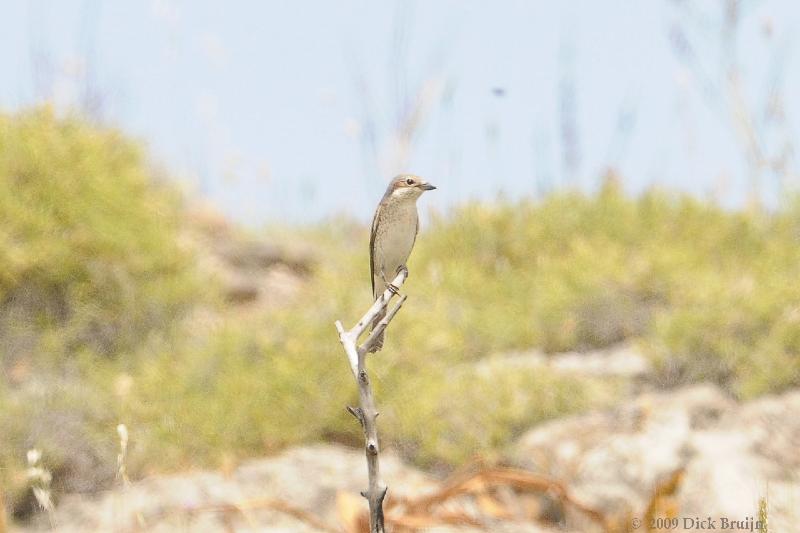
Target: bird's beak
(426,186)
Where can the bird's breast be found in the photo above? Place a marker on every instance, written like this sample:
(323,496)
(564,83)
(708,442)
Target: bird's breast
(395,236)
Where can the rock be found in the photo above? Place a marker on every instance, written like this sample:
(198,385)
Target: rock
(307,478)
(259,255)
(622,360)
(249,270)
(320,483)
(722,457)
(753,452)
(254,271)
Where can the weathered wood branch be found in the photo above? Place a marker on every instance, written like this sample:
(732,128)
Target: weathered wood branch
(366,413)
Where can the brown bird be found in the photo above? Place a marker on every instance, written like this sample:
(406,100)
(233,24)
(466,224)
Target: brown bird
(394,231)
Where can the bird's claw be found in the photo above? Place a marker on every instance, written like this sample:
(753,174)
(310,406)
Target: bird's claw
(393,289)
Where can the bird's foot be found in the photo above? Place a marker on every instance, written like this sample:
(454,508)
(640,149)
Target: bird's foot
(393,289)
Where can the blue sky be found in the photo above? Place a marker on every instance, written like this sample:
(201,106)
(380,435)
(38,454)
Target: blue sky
(289,111)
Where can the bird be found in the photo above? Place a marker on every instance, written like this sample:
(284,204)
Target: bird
(394,232)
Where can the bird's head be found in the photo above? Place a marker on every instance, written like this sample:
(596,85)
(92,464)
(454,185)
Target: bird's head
(408,186)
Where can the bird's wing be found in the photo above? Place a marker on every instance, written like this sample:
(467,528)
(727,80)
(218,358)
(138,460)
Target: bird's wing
(372,247)
(416,230)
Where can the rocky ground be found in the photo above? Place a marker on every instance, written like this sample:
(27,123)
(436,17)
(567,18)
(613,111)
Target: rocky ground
(691,454)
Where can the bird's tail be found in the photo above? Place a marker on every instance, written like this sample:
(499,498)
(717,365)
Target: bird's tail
(379,340)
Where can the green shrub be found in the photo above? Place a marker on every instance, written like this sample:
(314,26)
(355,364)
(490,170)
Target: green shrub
(711,293)
(89,254)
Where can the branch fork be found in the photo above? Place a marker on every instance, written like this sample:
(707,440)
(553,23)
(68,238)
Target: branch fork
(366,413)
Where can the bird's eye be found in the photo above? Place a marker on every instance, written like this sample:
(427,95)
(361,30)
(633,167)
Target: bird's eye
(409,181)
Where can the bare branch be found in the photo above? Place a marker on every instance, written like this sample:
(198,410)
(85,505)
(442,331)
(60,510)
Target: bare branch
(366,413)
(376,332)
(379,304)
(358,413)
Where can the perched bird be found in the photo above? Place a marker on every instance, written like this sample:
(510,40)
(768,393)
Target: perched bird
(394,230)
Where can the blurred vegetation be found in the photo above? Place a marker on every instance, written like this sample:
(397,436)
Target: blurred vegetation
(102,306)
(91,268)
(89,255)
